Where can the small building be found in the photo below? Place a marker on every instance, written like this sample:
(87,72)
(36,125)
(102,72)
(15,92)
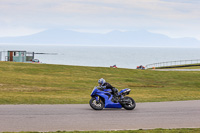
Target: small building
(17,56)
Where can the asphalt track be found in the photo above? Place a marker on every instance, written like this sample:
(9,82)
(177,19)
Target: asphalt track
(177,114)
(177,70)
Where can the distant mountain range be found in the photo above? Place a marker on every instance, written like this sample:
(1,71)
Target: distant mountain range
(132,38)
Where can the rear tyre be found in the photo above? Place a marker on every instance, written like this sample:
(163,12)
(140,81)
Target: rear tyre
(95,105)
(129,104)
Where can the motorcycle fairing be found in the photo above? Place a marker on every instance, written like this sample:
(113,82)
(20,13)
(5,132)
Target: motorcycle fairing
(127,90)
(107,96)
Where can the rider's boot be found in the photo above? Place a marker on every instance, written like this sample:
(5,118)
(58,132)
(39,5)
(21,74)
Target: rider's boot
(115,97)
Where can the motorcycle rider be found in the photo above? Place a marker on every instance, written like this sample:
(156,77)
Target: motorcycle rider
(103,84)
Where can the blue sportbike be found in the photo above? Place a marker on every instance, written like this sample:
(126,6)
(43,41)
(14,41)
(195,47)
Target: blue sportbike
(103,98)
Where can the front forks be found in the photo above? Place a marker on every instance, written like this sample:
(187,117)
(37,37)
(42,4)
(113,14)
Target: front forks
(97,99)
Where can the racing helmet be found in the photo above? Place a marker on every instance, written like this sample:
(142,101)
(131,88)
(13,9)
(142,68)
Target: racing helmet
(101,81)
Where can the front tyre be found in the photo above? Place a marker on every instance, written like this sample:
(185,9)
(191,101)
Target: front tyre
(129,103)
(95,105)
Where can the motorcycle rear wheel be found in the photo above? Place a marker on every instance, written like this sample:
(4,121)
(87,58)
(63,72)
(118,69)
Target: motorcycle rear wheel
(130,105)
(95,105)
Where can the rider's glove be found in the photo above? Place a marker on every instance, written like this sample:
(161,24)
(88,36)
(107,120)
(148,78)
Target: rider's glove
(100,88)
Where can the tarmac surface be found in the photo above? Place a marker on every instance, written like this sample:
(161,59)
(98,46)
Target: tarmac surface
(177,69)
(70,117)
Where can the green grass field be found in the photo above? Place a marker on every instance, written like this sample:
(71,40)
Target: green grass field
(26,83)
(192,67)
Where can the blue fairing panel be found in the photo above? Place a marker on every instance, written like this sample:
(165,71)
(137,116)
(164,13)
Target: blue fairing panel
(122,91)
(107,90)
(108,102)
(107,96)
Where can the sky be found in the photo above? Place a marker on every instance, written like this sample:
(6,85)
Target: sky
(175,18)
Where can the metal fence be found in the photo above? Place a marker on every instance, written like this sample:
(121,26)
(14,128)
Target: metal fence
(173,63)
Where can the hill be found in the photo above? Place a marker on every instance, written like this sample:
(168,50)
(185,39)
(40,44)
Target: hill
(131,38)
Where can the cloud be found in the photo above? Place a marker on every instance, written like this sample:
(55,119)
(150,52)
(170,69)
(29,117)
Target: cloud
(182,1)
(101,14)
(87,8)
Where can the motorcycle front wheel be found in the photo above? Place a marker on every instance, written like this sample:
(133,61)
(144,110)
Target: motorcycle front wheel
(95,105)
(129,104)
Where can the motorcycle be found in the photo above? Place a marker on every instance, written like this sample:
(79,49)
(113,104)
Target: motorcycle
(141,67)
(102,98)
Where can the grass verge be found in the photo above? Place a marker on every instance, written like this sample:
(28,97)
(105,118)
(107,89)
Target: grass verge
(24,83)
(188,66)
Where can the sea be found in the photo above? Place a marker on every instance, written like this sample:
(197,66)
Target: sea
(105,56)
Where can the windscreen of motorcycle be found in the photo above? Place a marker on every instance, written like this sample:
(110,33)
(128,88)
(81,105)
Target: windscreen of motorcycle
(94,91)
